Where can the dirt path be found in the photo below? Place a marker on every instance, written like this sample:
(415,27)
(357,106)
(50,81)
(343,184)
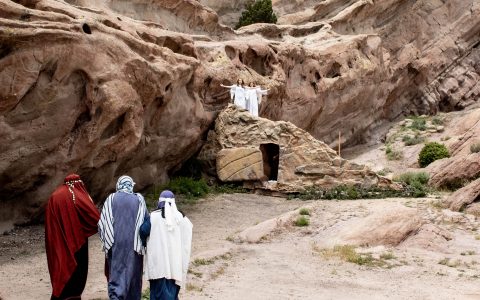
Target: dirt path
(286,265)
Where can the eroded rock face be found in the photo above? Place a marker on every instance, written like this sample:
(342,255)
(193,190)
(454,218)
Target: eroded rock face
(466,198)
(292,158)
(86,88)
(464,165)
(384,228)
(84,92)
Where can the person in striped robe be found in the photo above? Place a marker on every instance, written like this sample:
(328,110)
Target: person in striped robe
(122,215)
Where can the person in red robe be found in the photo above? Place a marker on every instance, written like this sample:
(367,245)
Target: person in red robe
(71,218)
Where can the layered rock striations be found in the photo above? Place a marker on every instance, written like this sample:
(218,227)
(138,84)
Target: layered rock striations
(279,156)
(106,88)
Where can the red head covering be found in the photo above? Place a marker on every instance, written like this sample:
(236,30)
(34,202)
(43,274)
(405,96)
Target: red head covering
(70,218)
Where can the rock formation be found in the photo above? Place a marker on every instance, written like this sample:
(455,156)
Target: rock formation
(105,88)
(463,165)
(279,155)
(465,199)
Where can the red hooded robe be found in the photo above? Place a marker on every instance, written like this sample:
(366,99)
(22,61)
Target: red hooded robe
(68,224)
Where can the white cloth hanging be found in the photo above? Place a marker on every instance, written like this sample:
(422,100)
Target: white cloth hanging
(168,251)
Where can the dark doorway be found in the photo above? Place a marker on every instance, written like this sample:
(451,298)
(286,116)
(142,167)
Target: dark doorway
(271,155)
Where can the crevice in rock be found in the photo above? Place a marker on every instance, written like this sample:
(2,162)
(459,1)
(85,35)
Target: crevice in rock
(334,71)
(114,127)
(82,119)
(111,24)
(230,51)
(5,50)
(86,29)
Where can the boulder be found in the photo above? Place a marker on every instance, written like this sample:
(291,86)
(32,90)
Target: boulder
(388,228)
(252,148)
(257,233)
(454,171)
(240,164)
(464,198)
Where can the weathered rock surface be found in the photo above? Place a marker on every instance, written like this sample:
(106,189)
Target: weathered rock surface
(86,88)
(463,165)
(84,92)
(263,230)
(240,164)
(301,160)
(383,228)
(464,198)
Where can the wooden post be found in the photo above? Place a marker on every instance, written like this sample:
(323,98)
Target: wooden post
(339,140)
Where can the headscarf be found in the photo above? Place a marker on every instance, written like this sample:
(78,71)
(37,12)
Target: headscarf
(105,225)
(172,215)
(125,184)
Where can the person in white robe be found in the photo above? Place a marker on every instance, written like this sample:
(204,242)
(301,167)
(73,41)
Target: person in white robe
(238,92)
(168,238)
(253,95)
(260,93)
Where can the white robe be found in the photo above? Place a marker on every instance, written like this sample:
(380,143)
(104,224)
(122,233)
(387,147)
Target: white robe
(240,100)
(252,100)
(260,92)
(168,252)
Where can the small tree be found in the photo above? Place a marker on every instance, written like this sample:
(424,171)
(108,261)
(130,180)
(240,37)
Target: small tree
(431,152)
(259,11)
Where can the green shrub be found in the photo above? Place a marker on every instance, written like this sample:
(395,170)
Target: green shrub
(393,154)
(475,147)
(419,124)
(410,141)
(302,221)
(437,121)
(227,188)
(343,192)
(431,152)
(188,187)
(410,177)
(188,190)
(304,212)
(259,11)
(415,183)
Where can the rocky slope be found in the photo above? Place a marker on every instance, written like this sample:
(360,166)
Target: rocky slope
(105,88)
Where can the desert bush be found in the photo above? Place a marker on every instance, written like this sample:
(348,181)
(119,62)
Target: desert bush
(419,124)
(343,192)
(410,141)
(304,212)
(475,147)
(414,183)
(431,152)
(410,178)
(393,154)
(187,190)
(437,121)
(302,221)
(259,11)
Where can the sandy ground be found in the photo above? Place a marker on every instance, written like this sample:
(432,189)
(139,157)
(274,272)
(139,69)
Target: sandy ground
(287,264)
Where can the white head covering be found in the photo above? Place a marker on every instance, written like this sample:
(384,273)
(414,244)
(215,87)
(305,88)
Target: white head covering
(172,215)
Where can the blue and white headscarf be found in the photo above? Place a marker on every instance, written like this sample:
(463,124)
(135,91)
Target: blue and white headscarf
(105,224)
(125,184)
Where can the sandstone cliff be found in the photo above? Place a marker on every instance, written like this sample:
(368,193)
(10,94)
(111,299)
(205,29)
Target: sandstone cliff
(105,88)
